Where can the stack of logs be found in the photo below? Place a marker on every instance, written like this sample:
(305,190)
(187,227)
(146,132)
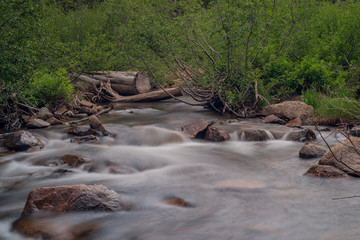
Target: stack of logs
(123,87)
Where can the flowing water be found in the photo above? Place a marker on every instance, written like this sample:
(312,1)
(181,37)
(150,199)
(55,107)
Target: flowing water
(235,190)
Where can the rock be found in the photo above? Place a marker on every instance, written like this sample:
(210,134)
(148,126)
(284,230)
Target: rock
(311,151)
(193,129)
(273,119)
(69,114)
(84,139)
(347,156)
(290,110)
(95,123)
(355,131)
(325,171)
(81,131)
(216,134)
(296,122)
(22,141)
(44,114)
(255,135)
(176,202)
(80,115)
(54,121)
(74,161)
(63,109)
(86,104)
(306,135)
(87,110)
(37,123)
(74,198)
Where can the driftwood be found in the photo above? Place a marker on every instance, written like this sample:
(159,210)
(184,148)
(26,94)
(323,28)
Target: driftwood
(106,110)
(151,96)
(124,83)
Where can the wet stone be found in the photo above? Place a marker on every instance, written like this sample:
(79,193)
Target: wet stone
(54,121)
(84,139)
(37,123)
(255,135)
(175,201)
(74,161)
(216,134)
(273,119)
(193,129)
(81,131)
(22,141)
(311,151)
(294,123)
(306,135)
(95,123)
(325,171)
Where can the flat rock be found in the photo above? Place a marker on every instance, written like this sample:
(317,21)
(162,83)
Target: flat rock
(347,156)
(44,114)
(22,141)
(193,129)
(311,151)
(273,119)
(216,134)
(325,171)
(290,110)
(74,198)
(296,122)
(86,103)
(37,123)
(84,139)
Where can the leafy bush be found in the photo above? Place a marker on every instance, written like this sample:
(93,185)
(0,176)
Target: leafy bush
(47,88)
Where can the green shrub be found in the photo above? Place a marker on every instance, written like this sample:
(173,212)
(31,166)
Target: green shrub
(48,88)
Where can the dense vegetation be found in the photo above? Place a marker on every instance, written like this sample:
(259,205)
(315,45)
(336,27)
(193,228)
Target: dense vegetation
(231,55)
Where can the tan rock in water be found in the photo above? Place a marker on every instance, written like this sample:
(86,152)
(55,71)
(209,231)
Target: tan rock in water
(95,123)
(216,134)
(193,129)
(325,171)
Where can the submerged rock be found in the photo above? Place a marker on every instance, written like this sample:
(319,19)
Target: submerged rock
(74,161)
(255,135)
(306,135)
(37,123)
(74,198)
(311,151)
(193,129)
(175,201)
(22,141)
(84,139)
(347,156)
(325,171)
(216,134)
(273,119)
(290,110)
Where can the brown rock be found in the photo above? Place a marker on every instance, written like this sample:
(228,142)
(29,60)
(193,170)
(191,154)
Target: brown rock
(74,161)
(74,198)
(54,121)
(290,110)
(22,141)
(37,123)
(84,139)
(306,135)
(44,114)
(294,123)
(176,202)
(86,104)
(95,123)
(347,156)
(63,109)
(311,151)
(325,171)
(255,135)
(87,110)
(80,115)
(193,129)
(355,131)
(273,119)
(81,131)
(69,114)
(216,134)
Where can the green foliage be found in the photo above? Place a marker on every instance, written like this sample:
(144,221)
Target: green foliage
(47,88)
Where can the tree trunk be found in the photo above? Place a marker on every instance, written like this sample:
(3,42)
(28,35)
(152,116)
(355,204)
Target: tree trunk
(150,96)
(124,83)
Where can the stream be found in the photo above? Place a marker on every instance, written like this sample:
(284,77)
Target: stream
(234,190)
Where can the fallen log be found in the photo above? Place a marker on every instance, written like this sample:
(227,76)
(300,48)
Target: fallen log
(151,96)
(124,83)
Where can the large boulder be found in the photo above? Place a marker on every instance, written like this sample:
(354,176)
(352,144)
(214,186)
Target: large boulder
(290,110)
(311,151)
(347,156)
(325,171)
(22,141)
(74,198)
(37,123)
(216,134)
(193,129)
